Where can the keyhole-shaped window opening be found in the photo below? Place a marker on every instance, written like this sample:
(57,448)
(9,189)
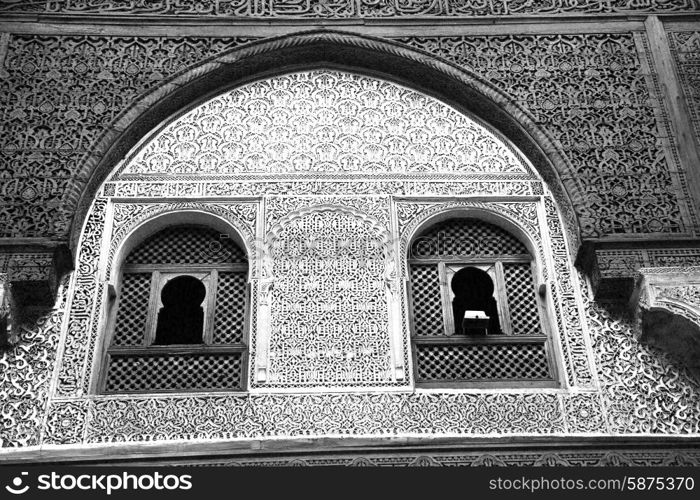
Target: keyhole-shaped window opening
(181,319)
(473,291)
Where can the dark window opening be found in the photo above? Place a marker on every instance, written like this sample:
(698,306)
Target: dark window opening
(473,289)
(4,334)
(181,319)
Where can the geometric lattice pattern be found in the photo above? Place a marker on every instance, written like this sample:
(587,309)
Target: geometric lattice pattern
(133,309)
(168,372)
(187,245)
(229,320)
(427,301)
(466,237)
(520,290)
(471,362)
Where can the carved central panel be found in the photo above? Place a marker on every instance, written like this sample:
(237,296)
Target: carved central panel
(329,310)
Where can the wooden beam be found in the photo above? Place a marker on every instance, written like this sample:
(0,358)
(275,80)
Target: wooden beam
(672,95)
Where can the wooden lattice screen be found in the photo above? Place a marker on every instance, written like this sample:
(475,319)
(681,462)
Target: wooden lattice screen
(521,353)
(134,363)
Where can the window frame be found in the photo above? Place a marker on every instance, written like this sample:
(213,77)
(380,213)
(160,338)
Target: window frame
(501,296)
(148,348)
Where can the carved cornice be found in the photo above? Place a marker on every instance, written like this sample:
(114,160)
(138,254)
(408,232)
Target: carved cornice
(666,306)
(660,288)
(31,274)
(614,268)
(346,9)
(365,451)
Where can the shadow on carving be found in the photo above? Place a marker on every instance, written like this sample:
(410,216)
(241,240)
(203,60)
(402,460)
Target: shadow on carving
(674,334)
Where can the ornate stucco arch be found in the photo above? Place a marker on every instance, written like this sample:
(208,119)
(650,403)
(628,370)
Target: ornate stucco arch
(387,202)
(390,60)
(514,220)
(222,152)
(137,223)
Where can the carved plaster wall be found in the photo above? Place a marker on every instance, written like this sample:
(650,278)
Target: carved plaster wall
(610,384)
(604,112)
(65,93)
(25,374)
(60,96)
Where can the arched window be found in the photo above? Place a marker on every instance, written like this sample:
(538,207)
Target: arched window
(476,316)
(181,315)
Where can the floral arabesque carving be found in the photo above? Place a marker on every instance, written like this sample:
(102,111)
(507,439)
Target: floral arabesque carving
(25,374)
(685,46)
(643,390)
(324,121)
(626,263)
(60,95)
(65,423)
(309,415)
(77,343)
(278,208)
(34,47)
(590,93)
(329,310)
(584,413)
(582,103)
(689,294)
(567,302)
